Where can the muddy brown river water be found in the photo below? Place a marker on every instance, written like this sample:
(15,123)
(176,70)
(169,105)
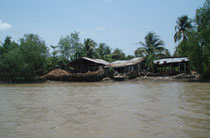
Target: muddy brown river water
(132,109)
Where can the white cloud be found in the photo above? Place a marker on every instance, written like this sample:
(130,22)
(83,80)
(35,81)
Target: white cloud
(100,28)
(4,25)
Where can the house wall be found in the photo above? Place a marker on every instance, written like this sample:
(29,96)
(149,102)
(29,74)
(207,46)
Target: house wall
(83,66)
(129,71)
(172,68)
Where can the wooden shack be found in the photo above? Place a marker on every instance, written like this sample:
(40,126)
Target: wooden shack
(86,69)
(172,65)
(124,69)
(85,64)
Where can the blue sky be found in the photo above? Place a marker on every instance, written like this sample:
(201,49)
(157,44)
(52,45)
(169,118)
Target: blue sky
(118,23)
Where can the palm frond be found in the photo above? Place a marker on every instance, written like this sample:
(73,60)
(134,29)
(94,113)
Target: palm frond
(140,52)
(142,44)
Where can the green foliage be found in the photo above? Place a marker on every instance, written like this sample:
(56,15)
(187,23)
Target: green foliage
(129,57)
(182,28)
(153,45)
(8,45)
(118,54)
(51,64)
(55,51)
(202,21)
(195,52)
(153,48)
(195,42)
(34,51)
(140,52)
(108,58)
(163,53)
(70,47)
(178,51)
(103,50)
(22,62)
(149,62)
(90,48)
(10,64)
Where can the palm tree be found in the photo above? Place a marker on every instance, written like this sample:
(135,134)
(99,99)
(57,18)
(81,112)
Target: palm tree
(118,54)
(182,28)
(90,47)
(152,48)
(103,50)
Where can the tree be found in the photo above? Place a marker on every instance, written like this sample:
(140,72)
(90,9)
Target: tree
(140,52)
(103,51)
(8,45)
(118,54)
(153,44)
(10,60)
(182,28)
(34,52)
(129,57)
(195,42)
(163,53)
(195,53)
(55,51)
(52,61)
(199,42)
(89,48)
(152,48)
(70,46)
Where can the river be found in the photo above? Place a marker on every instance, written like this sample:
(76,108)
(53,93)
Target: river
(129,109)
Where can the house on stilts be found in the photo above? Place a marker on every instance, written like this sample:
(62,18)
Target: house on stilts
(172,65)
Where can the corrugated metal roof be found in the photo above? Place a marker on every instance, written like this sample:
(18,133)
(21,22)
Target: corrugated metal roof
(170,60)
(124,63)
(99,61)
(120,62)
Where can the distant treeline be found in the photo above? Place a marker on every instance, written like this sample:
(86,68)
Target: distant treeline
(30,58)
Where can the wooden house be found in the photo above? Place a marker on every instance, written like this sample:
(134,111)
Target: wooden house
(127,69)
(85,64)
(173,65)
(86,69)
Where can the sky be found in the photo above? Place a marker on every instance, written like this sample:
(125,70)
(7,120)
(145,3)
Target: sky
(118,23)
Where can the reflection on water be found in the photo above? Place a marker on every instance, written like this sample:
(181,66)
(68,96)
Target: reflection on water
(105,109)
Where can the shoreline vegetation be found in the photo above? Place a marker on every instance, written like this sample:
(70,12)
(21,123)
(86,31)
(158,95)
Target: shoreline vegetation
(28,59)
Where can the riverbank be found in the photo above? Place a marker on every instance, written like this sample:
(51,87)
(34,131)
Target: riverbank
(169,78)
(148,76)
(178,77)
